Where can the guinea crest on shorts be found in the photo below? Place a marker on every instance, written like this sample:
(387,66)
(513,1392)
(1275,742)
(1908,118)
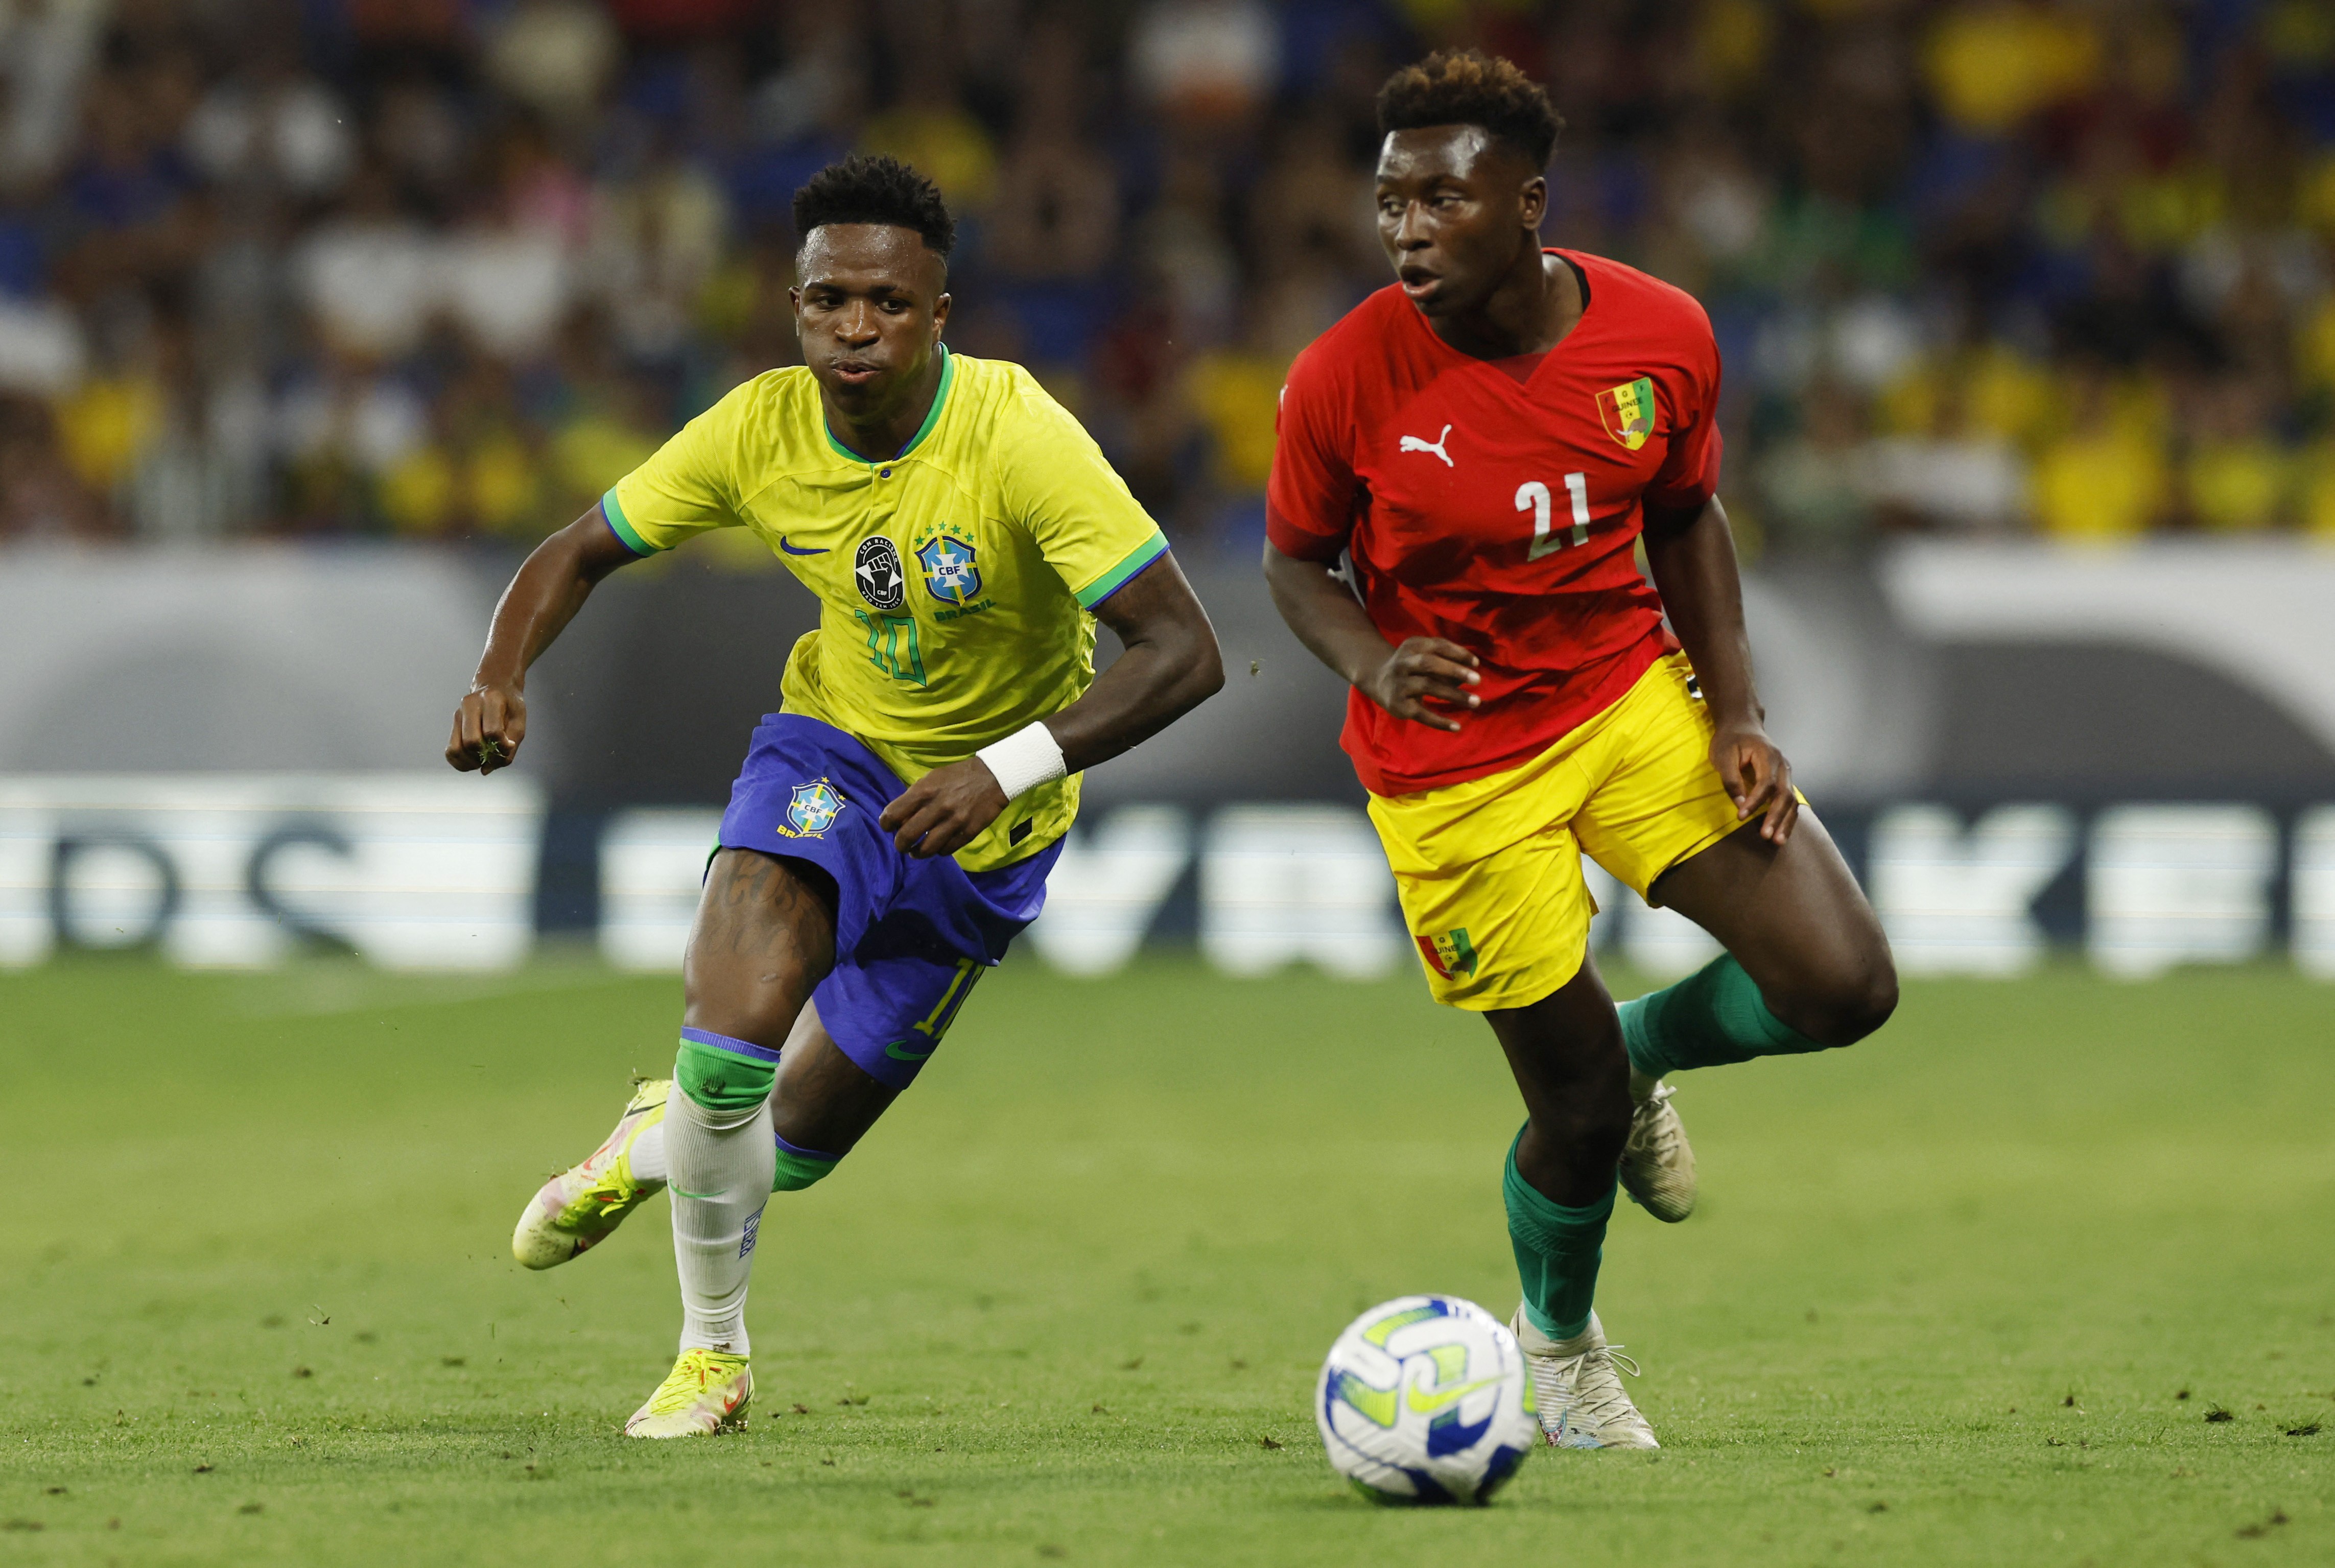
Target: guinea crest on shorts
(812,809)
(877,569)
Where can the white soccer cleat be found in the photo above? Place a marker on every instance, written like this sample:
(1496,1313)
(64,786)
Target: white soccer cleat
(707,1391)
(577,1209)
(1657,1162)
(1578,1390)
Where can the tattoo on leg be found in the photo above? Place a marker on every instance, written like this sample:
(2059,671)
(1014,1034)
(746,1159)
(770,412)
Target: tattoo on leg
(773,911)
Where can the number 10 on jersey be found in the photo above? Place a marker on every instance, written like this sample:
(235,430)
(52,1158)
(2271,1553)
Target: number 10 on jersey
(1532,496)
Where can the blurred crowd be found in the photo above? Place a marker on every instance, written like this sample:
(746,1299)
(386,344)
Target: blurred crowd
(446,269)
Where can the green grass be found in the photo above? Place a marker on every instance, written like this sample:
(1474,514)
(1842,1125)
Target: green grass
(1941,1305)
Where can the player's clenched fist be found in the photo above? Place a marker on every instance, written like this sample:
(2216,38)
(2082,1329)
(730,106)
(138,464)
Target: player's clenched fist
(488,727)
(944,810)
(1424,668)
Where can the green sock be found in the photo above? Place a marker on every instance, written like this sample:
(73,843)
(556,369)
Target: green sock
(799,1167)
(1713,1016)
(1557,1252)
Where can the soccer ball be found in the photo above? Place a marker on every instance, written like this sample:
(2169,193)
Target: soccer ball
(1426,1399)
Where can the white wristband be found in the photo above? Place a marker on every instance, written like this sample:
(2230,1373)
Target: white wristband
(1029,757)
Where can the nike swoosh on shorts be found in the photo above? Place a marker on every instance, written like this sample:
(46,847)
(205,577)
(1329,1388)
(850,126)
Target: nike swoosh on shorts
(896,1054)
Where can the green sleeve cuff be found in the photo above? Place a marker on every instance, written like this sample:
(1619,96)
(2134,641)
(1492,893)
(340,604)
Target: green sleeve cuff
(1113,580)
(619,525)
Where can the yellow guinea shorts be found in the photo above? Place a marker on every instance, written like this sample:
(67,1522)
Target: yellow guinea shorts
(1490,870)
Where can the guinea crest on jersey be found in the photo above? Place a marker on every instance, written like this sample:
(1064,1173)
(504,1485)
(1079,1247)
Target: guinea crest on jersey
(1497,505)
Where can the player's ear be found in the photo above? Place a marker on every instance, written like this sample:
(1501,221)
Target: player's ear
(1532,204)
(940,315)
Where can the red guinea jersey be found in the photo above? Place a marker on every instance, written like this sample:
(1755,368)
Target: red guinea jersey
(1497,513)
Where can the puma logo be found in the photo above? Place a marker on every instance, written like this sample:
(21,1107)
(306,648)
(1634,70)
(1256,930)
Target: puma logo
(1421,444)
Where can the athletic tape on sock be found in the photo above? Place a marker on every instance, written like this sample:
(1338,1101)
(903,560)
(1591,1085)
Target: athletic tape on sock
(727,1077)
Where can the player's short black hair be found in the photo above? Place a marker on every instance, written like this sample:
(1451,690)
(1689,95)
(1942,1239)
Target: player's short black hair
(1465,87)
(867,187)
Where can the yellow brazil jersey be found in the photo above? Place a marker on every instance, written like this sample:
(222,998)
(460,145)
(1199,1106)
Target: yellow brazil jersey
(956,581)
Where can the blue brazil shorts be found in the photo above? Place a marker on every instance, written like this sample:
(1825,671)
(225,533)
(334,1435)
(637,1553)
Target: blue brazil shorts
(911,936)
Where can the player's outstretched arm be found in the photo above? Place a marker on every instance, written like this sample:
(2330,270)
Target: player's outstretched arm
(1692,558)
(1170,666)
(1401,680)
(551,585)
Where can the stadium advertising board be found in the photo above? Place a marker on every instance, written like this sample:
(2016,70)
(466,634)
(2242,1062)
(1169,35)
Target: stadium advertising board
(2022,751)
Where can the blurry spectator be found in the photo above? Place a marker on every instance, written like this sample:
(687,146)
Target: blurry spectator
(277,123)
(41,346)
(1808,485)
(1057,211)
(1314,207)
(420,139)
(2236,477)
(1205,63)
(656,239)
(2104,480)
(608,426)
(369,275)
(555,56)
(1236,389)
(1955,476)
(2317,490)
(40,498)
(1995,64)
(931,130)
(45,53)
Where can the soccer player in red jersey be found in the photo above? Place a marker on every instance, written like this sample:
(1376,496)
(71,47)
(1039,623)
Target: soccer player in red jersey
(1487,441)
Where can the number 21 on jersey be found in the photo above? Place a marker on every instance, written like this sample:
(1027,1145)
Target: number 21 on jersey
(1532,496)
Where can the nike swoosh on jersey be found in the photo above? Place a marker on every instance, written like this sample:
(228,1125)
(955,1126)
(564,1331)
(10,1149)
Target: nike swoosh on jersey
(896,1054)
(796,549)
(1442,1399)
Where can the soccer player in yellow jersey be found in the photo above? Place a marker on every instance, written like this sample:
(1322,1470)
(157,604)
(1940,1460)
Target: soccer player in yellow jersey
(893,826)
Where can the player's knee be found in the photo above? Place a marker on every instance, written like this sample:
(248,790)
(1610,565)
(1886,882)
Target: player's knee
(1851,1003)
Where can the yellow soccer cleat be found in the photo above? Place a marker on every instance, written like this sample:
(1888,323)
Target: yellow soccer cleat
(706,1392)
(577,1209)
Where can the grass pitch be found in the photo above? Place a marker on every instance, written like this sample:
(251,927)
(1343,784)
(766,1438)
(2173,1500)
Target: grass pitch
(2045,1274)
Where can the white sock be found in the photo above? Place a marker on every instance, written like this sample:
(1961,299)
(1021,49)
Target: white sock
(648,1156)
(720,1178)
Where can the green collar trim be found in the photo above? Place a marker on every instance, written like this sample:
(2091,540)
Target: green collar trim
(931,417)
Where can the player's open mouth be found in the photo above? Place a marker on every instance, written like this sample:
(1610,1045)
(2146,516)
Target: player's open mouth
(1417,281)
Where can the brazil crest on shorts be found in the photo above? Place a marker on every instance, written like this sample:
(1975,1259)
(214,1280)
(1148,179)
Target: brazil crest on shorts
(812,809)
(950,570)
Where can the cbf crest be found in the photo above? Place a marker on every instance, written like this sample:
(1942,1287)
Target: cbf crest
(813,810)
(950,570)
